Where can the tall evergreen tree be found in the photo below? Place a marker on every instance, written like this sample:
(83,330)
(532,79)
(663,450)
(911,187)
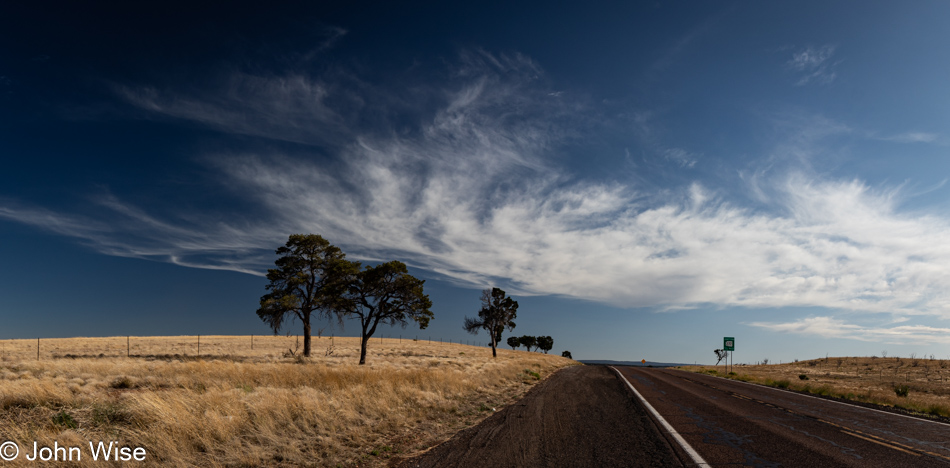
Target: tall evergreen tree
(307,281)
(386,294)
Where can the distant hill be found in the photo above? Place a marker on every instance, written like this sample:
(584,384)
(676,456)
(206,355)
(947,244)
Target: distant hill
(606,362)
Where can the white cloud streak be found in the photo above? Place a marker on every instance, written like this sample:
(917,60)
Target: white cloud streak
(829,327)
(913,137)
(473,195)
(814,64)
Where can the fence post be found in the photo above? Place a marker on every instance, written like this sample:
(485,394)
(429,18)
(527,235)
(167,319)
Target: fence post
(37,348)
(128,346)
(199,345)
(252,342)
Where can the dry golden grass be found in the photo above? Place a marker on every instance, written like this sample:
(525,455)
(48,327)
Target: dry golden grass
(866,379)
(235,406)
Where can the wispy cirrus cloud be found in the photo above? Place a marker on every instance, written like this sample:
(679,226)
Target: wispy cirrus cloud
(113,227)
(814,64)
(474,190)
(913,137)
(681,157)
(830,327)
(291,107)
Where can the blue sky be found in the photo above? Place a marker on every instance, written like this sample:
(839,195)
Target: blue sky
(643,178)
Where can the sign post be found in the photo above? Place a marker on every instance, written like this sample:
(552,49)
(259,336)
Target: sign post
(729,345)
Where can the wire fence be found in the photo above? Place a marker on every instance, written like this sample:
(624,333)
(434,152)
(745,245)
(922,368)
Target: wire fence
(194,346)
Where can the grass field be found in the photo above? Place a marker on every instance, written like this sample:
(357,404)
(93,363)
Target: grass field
(237,406)
(917,384)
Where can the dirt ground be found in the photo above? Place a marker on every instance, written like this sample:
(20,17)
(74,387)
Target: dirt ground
(581,416)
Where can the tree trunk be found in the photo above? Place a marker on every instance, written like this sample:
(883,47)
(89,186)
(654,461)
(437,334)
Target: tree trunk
(306,336)
(363,342)
(494,353)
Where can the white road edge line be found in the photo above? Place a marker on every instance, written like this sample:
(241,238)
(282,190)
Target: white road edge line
(827,400)
(697,459)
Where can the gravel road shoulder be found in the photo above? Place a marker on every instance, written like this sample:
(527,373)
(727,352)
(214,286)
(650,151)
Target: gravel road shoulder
(581,416)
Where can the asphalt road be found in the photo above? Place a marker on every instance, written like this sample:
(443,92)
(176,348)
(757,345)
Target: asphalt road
(587,416)
(732,423)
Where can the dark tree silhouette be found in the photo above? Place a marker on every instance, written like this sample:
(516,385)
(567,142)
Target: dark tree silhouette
(386,294)
(307,280)
(567,354)
(497,313)
(720,355)
(514,342)
(529,342)
(545,343)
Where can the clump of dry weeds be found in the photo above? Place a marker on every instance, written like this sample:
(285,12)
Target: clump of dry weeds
(263,407)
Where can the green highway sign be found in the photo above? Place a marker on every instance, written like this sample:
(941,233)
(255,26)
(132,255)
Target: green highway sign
(729,344)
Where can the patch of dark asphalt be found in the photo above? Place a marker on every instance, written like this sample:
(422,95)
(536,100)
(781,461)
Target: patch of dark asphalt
(581,416)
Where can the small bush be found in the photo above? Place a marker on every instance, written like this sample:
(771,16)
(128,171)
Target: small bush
(938,409)
(901,390)
(784,383)
(65,419)
(802,377)
(122,382)
(532,373)
(109,414)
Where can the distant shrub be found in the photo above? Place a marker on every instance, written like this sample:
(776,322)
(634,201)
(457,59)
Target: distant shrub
(901,390)
(567,354)
(802,377)
(532,373)
(784,383)
(122,382)
(65,419)
(108,413)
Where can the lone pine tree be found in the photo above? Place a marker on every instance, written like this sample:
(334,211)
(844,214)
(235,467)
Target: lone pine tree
(497,313)
(307,280)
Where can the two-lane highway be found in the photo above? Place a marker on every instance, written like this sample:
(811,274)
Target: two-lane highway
(735,423)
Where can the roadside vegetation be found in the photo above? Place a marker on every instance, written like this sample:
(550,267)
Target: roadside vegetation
(266,406)
(916,384)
